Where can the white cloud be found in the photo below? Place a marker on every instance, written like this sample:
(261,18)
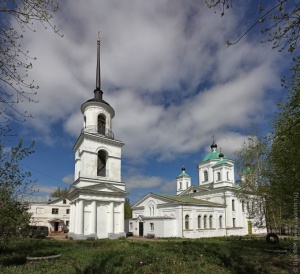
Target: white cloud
(166,70)
(68,179)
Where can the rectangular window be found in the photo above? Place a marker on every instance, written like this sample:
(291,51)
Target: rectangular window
(67,223)
(64,201)
(130,225)
(233,222)
(54,210)
(151,226)
(67,211)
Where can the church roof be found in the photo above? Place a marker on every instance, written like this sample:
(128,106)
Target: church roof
(221,162)
(212,156)
(183,174)
(187,200)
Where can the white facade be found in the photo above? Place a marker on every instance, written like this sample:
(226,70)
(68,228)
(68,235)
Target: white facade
(97,195)
(51,212)
(209,209)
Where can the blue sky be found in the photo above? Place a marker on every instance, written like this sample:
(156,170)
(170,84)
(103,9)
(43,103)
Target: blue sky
(167,72)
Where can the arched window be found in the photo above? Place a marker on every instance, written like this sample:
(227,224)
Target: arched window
(101,123)
(205,175)
(180,185)
(220,221)
(186,219)
(219,176)
(227,175)
(233,205)
(210,221)
(151,210)
(199,221)
(205,222)
(84,121)
(101,165)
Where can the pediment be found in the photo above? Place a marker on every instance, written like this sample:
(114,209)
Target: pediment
(154,198)
(103,188)
(193,189)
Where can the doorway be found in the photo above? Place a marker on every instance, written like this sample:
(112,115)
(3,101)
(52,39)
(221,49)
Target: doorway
(141,229)
(56,226)
(249,227)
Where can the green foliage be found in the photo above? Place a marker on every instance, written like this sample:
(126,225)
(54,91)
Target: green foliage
(60,193)
(17,17)
(127,209)
(14,183)
(252,168)
(284,155)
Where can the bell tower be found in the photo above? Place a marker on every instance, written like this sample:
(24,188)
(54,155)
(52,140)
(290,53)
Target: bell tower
(97,195)
(183,181)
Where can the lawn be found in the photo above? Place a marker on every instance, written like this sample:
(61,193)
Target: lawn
(215,255)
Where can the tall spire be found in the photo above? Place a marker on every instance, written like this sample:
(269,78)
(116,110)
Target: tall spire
(98,92)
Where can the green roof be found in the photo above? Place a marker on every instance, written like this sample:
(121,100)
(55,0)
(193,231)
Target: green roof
(185,199)
(213,155)
(220,163)
(183,174)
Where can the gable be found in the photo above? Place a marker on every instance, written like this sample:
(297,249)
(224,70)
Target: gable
(150,198)
(103,188)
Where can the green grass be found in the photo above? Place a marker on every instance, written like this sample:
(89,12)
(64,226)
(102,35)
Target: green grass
(215,255)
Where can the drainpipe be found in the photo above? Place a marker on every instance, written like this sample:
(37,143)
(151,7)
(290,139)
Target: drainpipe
(182,221)
(225,214)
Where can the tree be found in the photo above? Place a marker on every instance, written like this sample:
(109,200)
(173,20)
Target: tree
(252,166)
(15,183)
(60,193)
(282,20)
(284,155)
(15,61)
(128,210)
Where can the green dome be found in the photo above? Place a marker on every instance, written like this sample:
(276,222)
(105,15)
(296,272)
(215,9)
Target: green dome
(183,174)
(213,156)
(220,163)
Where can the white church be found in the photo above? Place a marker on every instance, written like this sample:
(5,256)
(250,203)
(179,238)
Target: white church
(97,195)
(209,209)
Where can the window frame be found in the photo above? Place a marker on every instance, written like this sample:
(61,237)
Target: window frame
(205,174)
(210,221)
(187,222)
(55,210)
(199,221)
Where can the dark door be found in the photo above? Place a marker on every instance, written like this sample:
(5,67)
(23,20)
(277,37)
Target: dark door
(56,226)
(141,228)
